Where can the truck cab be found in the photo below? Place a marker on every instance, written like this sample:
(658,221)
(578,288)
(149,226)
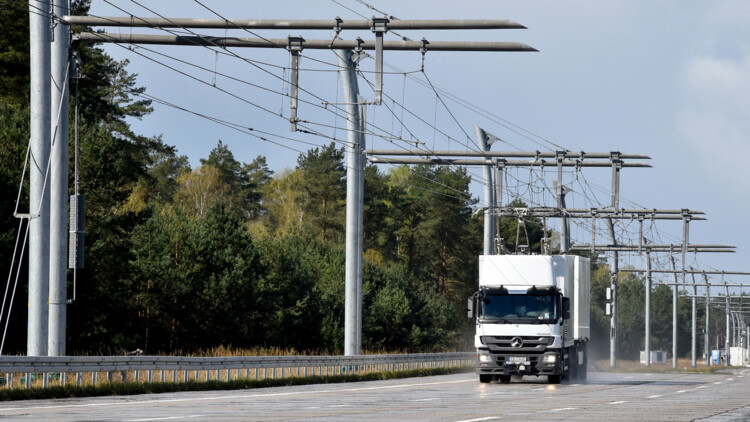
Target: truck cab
(532,317)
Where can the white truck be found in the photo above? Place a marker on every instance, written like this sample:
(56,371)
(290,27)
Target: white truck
(532,316)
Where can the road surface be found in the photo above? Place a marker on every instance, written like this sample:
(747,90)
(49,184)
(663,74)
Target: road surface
(604,397)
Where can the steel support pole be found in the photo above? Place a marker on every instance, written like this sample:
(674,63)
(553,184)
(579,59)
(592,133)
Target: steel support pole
(499,172)
(675,298)
(728,332)
(360,214)
(614,265)
(707,334)
(648,308)
(488,217)
(58,268)
(614,269)
(693,324)
(353,206)
(40,107)
(493,203)
(564,229)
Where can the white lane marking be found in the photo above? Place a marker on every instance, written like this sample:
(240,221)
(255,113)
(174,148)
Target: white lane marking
(654,396)
(618,402)
(237,397)
(488,418)
(730,379)
(435,398)
(313,407)
(627,378)
(717,382)
(700,386)
(682,391)
(165,419)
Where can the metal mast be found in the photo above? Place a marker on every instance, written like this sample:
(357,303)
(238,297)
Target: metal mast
(489,219)
(59,185)
(352,318)
(39,31)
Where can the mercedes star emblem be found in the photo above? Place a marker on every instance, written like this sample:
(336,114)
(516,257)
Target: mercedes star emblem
(516,342)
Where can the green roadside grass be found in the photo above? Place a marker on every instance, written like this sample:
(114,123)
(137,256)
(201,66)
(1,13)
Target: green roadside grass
(131,388)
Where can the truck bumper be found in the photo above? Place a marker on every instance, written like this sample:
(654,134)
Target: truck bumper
(492,364)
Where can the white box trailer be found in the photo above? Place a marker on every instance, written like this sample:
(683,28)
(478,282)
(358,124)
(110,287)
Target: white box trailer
(532,316)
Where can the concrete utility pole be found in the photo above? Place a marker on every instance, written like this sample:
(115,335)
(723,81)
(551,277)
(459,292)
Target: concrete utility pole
(59,185)
(352,317)
(39,246)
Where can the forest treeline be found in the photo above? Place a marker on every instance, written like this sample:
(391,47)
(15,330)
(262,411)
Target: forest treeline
(233,253)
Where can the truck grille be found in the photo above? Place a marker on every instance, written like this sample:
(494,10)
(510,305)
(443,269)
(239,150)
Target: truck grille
(516,344)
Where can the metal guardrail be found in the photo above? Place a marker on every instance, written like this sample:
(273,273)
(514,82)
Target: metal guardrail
(203,368)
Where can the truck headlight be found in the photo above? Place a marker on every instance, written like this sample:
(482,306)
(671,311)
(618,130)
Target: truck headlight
(485,358)
(550,358)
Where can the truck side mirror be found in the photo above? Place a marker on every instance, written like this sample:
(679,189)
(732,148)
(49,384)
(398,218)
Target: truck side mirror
(566,308)
(470,305)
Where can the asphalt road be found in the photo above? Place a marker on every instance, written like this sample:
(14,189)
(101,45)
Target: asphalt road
(604,397)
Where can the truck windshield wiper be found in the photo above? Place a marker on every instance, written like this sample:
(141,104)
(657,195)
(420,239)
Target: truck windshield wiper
(496,319)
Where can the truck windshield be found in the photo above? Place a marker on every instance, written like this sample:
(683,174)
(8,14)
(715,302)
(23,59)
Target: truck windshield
(527,308)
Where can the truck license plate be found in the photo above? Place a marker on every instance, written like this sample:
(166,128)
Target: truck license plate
(518,359)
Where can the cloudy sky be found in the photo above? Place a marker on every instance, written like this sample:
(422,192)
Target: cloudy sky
(665,78)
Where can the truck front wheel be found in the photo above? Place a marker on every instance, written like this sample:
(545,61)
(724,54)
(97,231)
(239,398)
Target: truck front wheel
(554,379)
(505,379)
(485,379)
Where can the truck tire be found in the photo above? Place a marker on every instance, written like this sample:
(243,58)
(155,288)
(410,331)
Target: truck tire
(485,378)
(505,379)
(554,379)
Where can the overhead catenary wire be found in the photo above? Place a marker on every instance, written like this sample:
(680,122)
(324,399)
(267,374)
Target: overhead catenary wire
(591,190)
(160,15)
(213,44)
(121,45)
(212,85)
(244,130)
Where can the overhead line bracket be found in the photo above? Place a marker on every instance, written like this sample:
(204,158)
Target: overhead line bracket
(295,46)
(379,28)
